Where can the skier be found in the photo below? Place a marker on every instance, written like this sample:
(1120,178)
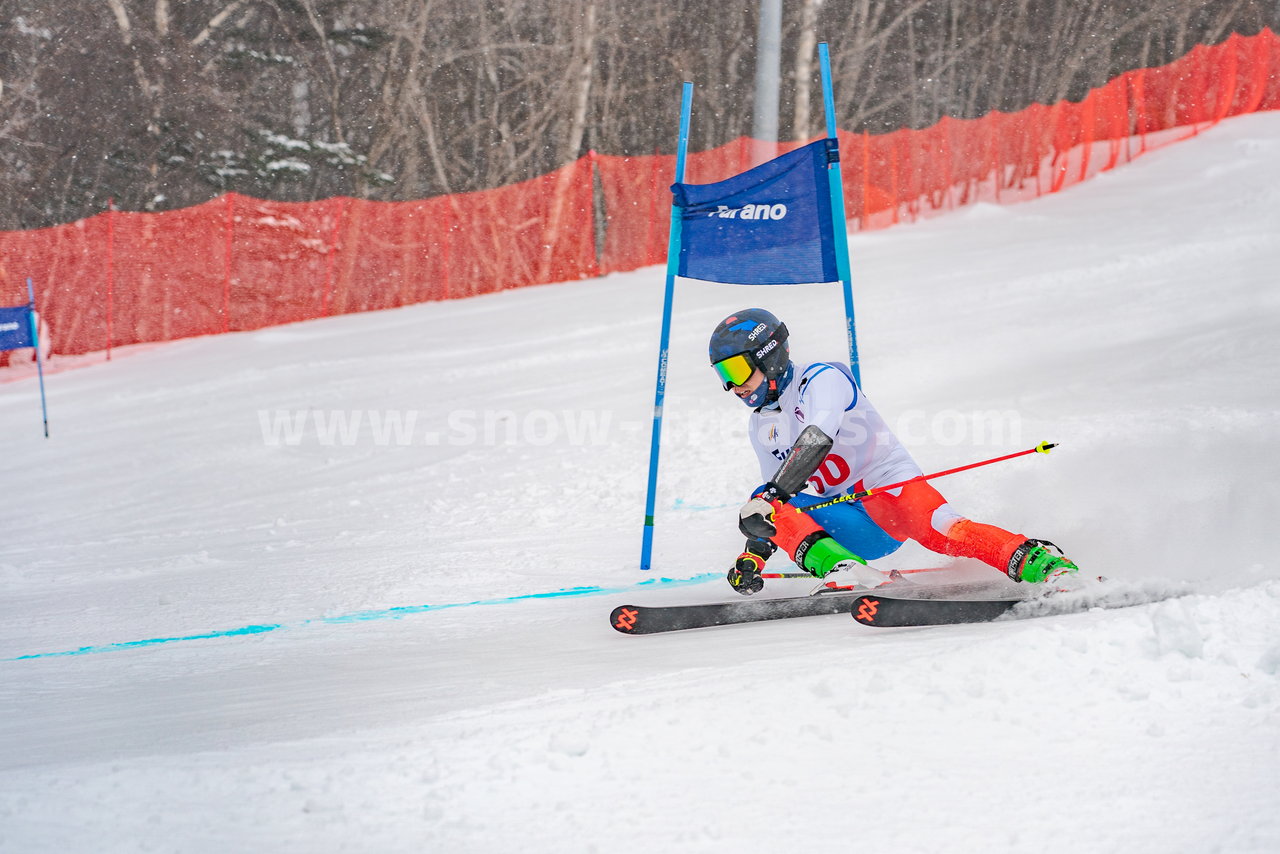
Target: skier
(750,353)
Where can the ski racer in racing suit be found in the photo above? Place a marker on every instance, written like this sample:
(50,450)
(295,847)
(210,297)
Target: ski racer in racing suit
(751,354)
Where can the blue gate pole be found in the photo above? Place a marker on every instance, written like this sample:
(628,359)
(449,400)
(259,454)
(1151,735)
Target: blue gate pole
(673,265)
(35,338)
(836,185)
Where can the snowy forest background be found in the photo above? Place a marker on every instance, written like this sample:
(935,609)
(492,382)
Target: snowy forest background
(159,104)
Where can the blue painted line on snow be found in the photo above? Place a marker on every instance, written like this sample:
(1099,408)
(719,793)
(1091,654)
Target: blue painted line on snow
(681,504)
(396,613)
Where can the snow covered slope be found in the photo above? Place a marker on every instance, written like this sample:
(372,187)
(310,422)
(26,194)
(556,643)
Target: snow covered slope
(224,628)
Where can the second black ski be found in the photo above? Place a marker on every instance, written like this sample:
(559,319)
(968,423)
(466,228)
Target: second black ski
(871,609)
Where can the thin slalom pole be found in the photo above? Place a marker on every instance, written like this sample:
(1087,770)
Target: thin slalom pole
(811,576)
(660,392)
(835,184)
(1042,448)
(35,339)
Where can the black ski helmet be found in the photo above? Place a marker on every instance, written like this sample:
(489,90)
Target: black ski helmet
(761,338)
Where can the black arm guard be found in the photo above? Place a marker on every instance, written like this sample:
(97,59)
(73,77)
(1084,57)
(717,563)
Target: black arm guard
(808,452)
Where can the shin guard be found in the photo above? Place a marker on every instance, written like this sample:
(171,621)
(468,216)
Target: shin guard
(793,527)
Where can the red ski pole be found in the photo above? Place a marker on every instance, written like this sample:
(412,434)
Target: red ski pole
(1042,448)
(810,575)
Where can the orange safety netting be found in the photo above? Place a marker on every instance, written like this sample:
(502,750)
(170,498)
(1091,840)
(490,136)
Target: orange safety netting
(1000,157)
(238,263)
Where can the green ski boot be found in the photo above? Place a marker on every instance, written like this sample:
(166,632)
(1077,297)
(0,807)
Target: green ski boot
(1037,561)
(819,554)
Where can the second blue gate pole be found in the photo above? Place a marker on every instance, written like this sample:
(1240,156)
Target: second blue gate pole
(836,185)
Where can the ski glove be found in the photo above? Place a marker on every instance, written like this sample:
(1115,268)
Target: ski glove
(772,492)
(755,519)
(745,574)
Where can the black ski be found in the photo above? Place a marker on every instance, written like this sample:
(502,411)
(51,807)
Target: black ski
(649,619)
(871,609)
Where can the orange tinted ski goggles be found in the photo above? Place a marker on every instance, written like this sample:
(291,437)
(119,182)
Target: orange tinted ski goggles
(734,370)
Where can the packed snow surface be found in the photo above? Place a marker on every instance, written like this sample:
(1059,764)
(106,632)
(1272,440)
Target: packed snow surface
(224,622)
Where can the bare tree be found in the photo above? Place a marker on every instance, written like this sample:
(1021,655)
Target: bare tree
(806,45)
(162,104)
